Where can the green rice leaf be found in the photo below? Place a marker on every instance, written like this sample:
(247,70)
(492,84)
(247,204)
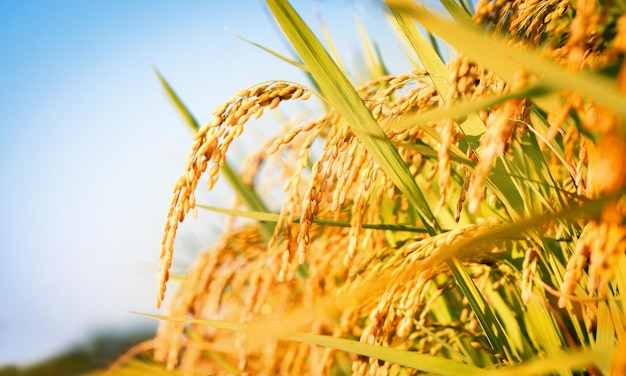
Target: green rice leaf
(458,11)
(426,363)
(248,196)
(330,45)
(272,52)
(180,107)
(542,329)
(273,217)
(494,331)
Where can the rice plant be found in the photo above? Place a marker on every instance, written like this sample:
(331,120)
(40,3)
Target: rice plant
(466,217)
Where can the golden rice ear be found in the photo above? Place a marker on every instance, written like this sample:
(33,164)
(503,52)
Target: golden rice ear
(500,126)
(577,261)
(211,143)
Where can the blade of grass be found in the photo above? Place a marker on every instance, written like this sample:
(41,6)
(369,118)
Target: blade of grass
(330,45)
(273,217)
(373,62)
(284,58)
(426,363)
(432,62)
(435,45)
(513,229)
(503,303)
(458,11)
(339,91)
(502,185)
(618,316)
(289,47)
(189,119)
(605,335)
(246,193)
(543,332)
(494,331)
(620,278)
(427,151)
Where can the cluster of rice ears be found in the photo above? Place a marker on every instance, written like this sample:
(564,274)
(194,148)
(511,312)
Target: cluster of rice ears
(463,218)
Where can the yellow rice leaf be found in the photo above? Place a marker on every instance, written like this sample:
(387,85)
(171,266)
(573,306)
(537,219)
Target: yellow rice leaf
(457,10)
(605,335)
(373,61)
(427,363)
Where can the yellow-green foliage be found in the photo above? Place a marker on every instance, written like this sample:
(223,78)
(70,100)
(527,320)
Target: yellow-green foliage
(462,218)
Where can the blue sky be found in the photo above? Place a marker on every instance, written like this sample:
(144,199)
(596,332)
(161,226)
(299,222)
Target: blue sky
(90,147)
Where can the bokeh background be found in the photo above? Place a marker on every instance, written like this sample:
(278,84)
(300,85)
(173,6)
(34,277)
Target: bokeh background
(90,147)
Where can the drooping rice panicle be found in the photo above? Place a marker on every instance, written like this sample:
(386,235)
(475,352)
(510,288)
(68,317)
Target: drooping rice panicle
(211,143)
